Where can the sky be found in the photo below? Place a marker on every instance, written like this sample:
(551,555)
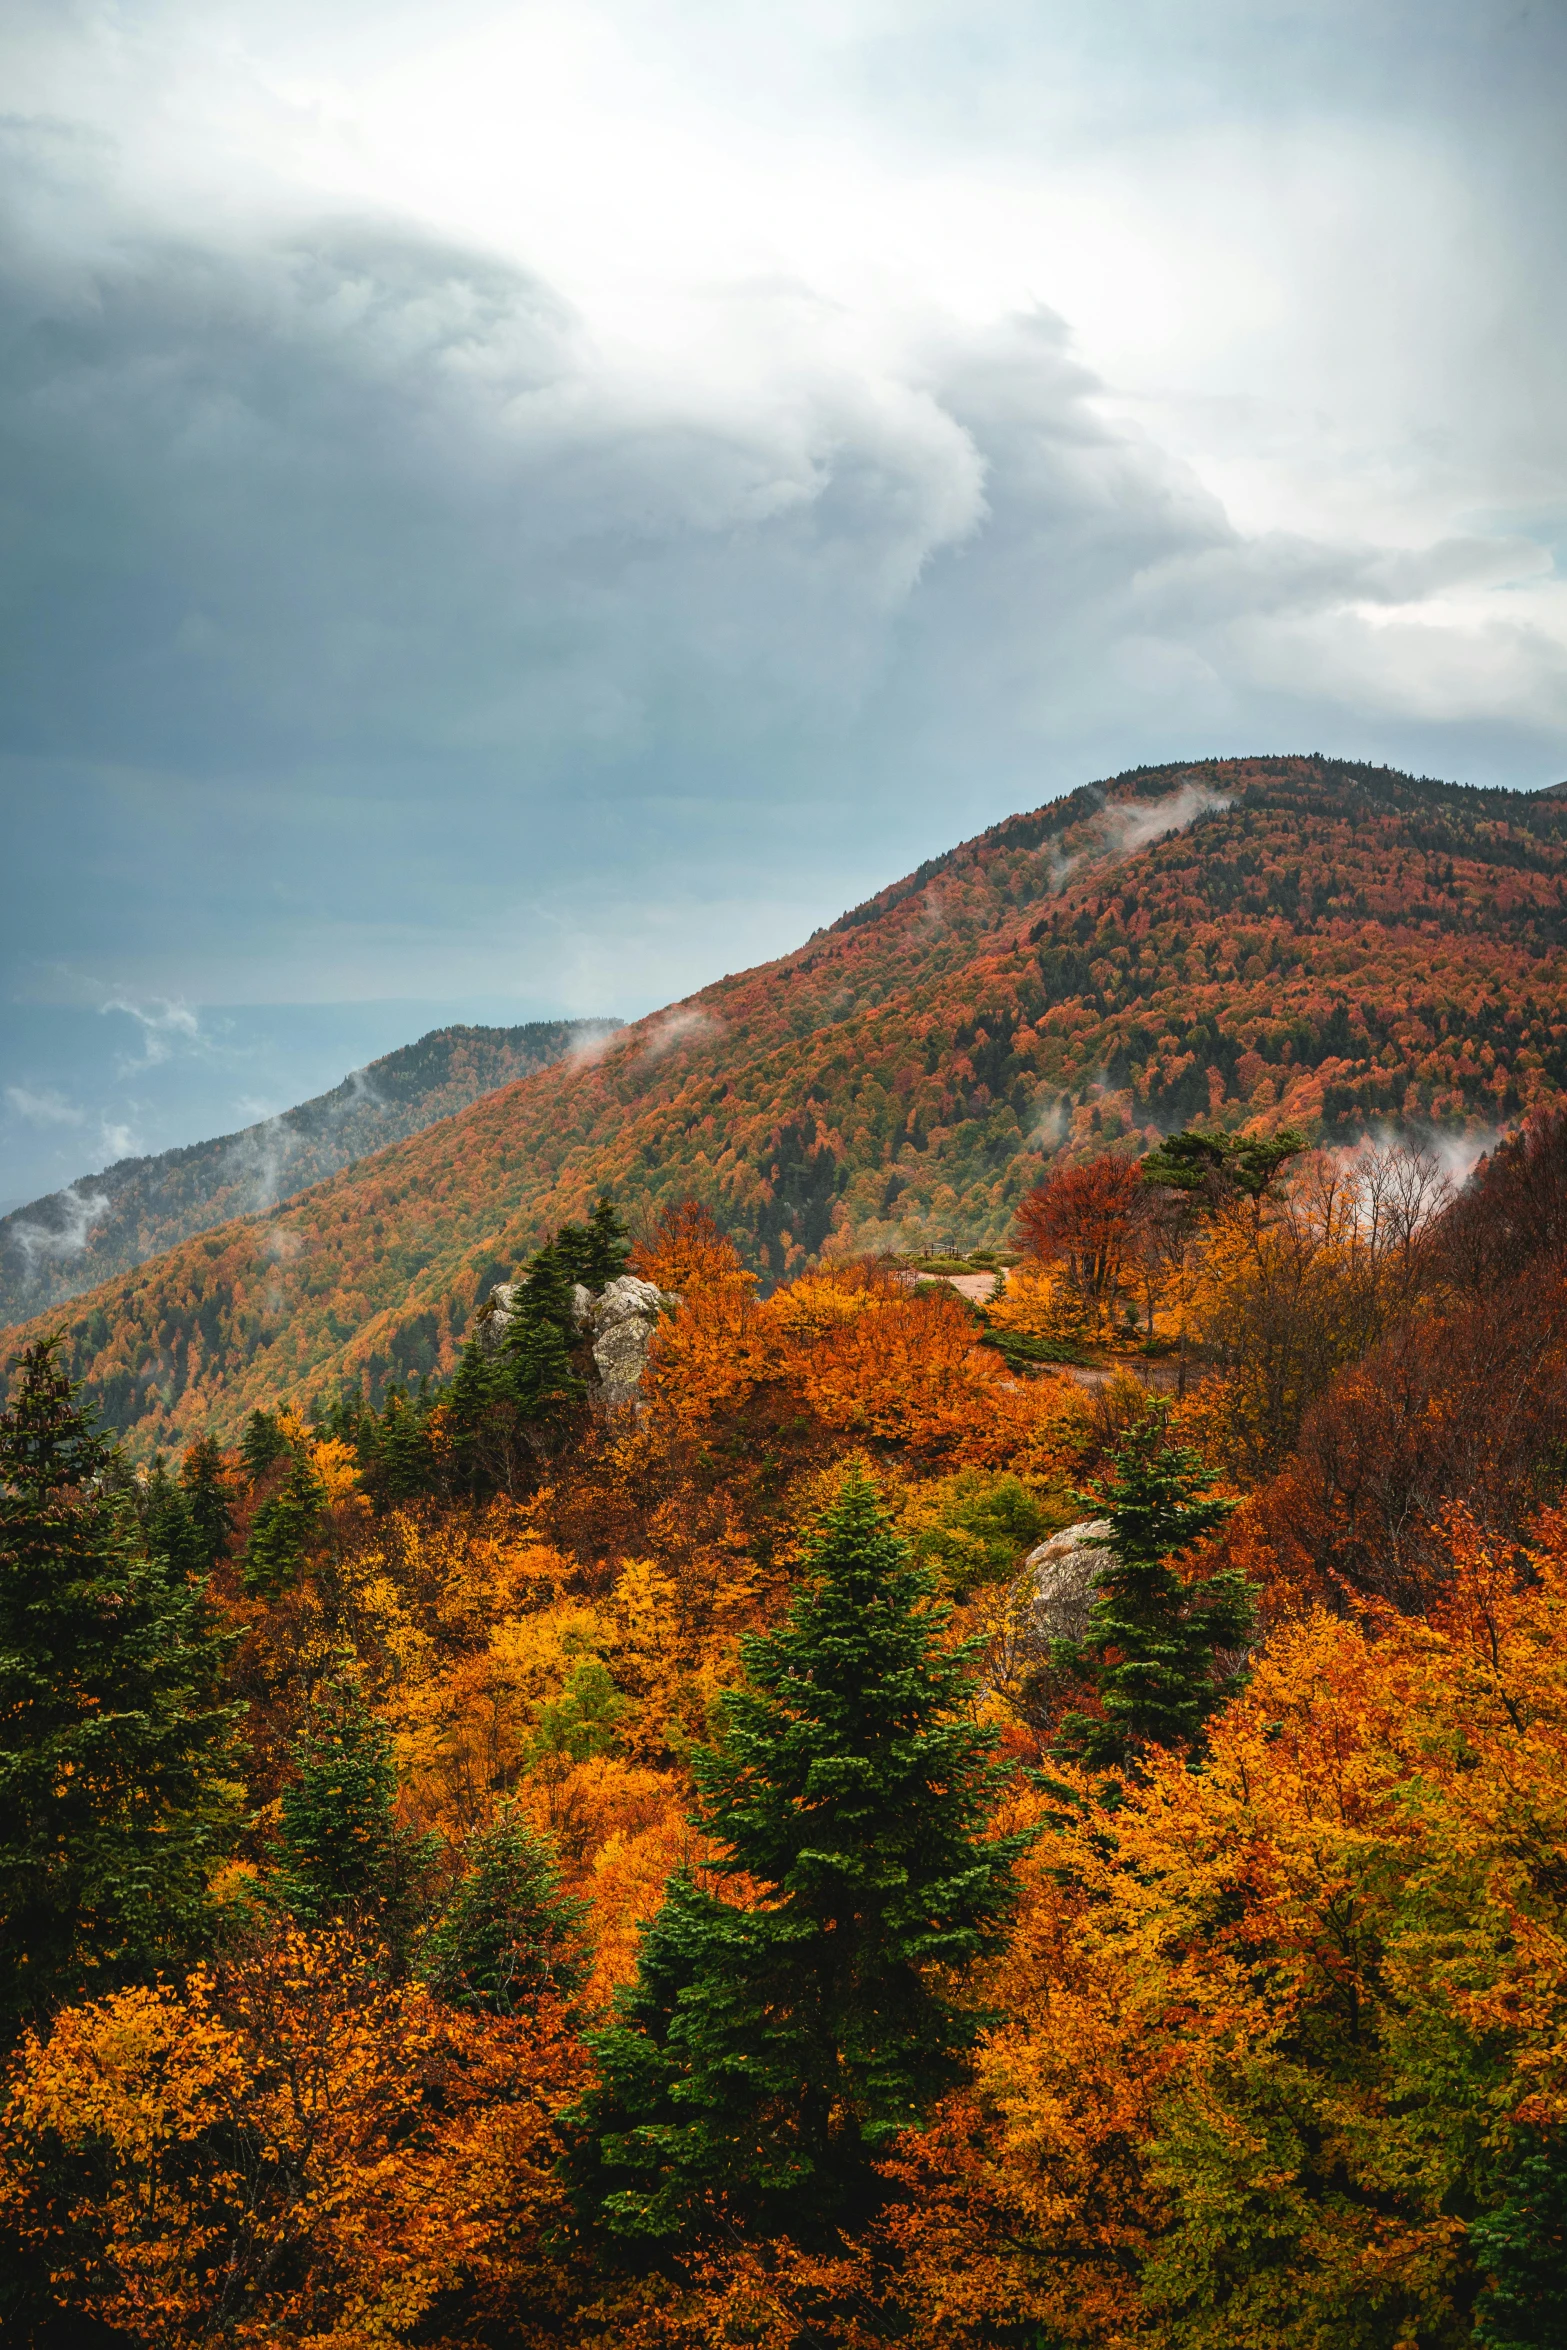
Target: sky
(513,511)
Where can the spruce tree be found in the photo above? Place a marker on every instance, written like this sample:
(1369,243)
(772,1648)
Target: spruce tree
(345,1858)
(1152,1639)
(406,1459)
(283,1530)
(766,2056)
(594,1253)
(115,1743)
(168,1528)
(510,1930)
(534,1369)
(207,1499)
(262,1443)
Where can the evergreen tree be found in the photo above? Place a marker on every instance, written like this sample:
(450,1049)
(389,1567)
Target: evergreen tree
(766,2056)
(594,1253)
(345,1858)
(404,1453)
(510,1930)
(1521,2249)
(534,1369)
(1152,1638)
(283,1529)
(469,1402)
(114,1742)
(262,1443)
(168,1529)
(207,1499)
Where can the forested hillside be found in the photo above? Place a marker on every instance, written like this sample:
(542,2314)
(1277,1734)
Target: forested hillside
(56,1247)
(1241,943)
(871,1846)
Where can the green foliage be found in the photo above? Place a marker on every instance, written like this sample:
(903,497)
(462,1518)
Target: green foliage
(985,1525)
(207,1499)
(533,1367)
(283,1530)
(262,1443)
(344,1855)
(405,1459)
(510,1931)
(1213,1164)
(582,1720)
(767,2056)
(1522,2250)
(595,1253)
(1152,1639)
(168,1528)
(114,1742)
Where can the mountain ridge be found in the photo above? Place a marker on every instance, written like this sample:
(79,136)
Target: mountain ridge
(1245,943)
(66,1241)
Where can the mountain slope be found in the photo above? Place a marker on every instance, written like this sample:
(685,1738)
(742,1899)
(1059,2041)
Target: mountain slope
(56,1247)
(1259,941)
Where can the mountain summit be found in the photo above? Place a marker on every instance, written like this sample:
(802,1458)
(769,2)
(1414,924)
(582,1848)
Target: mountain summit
(1244,943)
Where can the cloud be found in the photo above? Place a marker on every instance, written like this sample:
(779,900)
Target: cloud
(164,1026)
(468,444)
(77,1212)
(43,1107)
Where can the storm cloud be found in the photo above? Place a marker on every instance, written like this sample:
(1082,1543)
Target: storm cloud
(453,550)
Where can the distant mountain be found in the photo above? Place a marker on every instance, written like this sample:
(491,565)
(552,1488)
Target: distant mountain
(56,1247)
(1243,942)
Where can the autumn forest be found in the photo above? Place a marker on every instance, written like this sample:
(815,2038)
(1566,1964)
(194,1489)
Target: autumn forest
(883,1663)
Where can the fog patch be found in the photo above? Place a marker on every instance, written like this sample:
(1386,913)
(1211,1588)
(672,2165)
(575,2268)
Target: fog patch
(688,1027)
(53,1244)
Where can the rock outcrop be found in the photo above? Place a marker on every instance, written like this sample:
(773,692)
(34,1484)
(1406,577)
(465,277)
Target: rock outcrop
(622,1319)
(620,1322)
(1066,1572)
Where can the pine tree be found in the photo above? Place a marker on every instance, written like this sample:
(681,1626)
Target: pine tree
(767,2055)
(1152,1639)
(345,1857)
(283,1530)
(114,1741)
(510,1930)
(207,1498)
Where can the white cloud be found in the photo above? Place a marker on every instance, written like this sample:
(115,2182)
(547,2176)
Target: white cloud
(43,1107)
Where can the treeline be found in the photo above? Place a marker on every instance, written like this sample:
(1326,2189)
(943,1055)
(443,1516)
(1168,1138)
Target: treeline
(533,1872)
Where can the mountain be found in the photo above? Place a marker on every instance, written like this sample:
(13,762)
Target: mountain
(1252,941)
(72,1240)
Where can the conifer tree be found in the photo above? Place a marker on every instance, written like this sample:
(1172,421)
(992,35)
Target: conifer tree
(510,1930)
(767,2055)
(114,1740)
(207,1499)
(262,1443)
(168,1528)
(406,1460)
(1152,1639)
(594,1253)
(283,1530)
(1521,2249)
(346,1859)
(534,1370)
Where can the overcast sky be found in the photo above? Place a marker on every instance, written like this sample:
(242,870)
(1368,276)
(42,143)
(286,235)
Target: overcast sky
(525,508)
